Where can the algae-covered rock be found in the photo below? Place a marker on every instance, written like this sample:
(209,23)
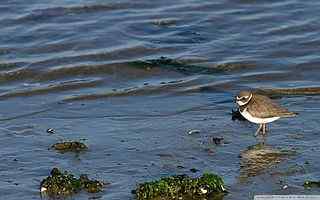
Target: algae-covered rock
(61,184)
(72,146)
(91,186)
(180,186)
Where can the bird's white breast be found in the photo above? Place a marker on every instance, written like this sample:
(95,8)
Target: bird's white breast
(257,120)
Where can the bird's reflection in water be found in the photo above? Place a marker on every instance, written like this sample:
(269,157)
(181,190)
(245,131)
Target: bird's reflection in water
(257,158)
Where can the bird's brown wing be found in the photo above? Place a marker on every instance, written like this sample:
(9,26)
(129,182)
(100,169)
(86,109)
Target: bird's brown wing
(263,107)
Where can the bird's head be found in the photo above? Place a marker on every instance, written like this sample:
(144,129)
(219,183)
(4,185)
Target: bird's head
(243,98)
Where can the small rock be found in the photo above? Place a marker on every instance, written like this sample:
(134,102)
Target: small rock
(61,184)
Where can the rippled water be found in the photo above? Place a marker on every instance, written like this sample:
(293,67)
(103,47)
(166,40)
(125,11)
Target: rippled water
(133,77)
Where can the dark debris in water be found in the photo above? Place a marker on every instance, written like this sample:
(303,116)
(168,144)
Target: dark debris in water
(70,146)
(194,170)
(216,140)
(311,184)
(181,187)
(50,130)
(62,184)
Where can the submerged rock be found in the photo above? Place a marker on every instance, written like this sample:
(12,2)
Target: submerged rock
(62,184)
(181,187)
(73,146)
(175,65)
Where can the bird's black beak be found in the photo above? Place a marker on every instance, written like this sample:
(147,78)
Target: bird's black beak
(235,99)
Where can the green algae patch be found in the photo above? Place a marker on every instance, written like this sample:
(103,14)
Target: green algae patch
(310,184)
(62,184)
(181,187)
(70,146)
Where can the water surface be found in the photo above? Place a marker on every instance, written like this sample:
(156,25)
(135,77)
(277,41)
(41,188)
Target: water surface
(97,70)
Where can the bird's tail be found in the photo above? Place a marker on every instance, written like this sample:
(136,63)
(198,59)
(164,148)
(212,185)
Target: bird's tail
(289,114)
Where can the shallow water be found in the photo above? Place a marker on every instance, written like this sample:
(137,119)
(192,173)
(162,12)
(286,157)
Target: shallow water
(97,70)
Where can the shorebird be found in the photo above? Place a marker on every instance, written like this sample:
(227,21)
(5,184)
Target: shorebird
(260,109)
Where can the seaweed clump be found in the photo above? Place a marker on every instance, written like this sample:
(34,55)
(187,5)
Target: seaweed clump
(62,184)
(69,146)
(181,187)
